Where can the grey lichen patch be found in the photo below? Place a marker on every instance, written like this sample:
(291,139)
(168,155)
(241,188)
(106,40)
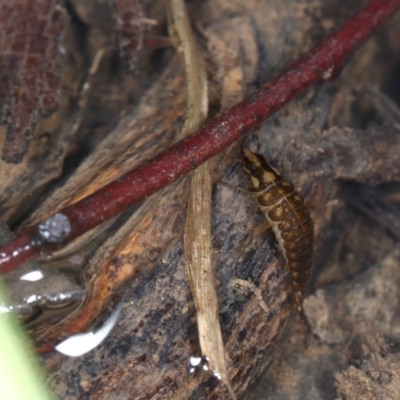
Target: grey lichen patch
(365,298)
(373,369)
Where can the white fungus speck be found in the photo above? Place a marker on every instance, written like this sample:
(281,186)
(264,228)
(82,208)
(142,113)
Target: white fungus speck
(55,228)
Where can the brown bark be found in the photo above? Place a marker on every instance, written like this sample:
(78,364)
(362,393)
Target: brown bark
(330,133)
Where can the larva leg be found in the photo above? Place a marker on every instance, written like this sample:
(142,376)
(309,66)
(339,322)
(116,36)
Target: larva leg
(233,187)
(263,227)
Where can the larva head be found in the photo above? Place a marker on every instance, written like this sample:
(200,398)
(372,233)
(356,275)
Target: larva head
(261,173)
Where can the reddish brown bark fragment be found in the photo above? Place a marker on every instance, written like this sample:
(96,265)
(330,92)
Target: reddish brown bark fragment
(129,25)
(29,69)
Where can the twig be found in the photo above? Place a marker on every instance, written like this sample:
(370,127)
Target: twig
(323,63)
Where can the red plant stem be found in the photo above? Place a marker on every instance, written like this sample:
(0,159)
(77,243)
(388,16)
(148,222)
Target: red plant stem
(322,63)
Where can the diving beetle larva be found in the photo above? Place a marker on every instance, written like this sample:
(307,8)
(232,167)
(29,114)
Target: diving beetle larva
(288,217)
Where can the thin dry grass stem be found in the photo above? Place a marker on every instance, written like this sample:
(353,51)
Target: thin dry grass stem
(87,86)
(197,242)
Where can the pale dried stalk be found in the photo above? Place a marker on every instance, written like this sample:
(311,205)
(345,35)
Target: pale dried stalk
(197,86)
(197,243)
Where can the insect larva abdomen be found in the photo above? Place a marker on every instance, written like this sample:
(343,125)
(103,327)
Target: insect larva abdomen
(301,216)
(298,244)
(275,193)
(289,218)
(298,232)
(284,207)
